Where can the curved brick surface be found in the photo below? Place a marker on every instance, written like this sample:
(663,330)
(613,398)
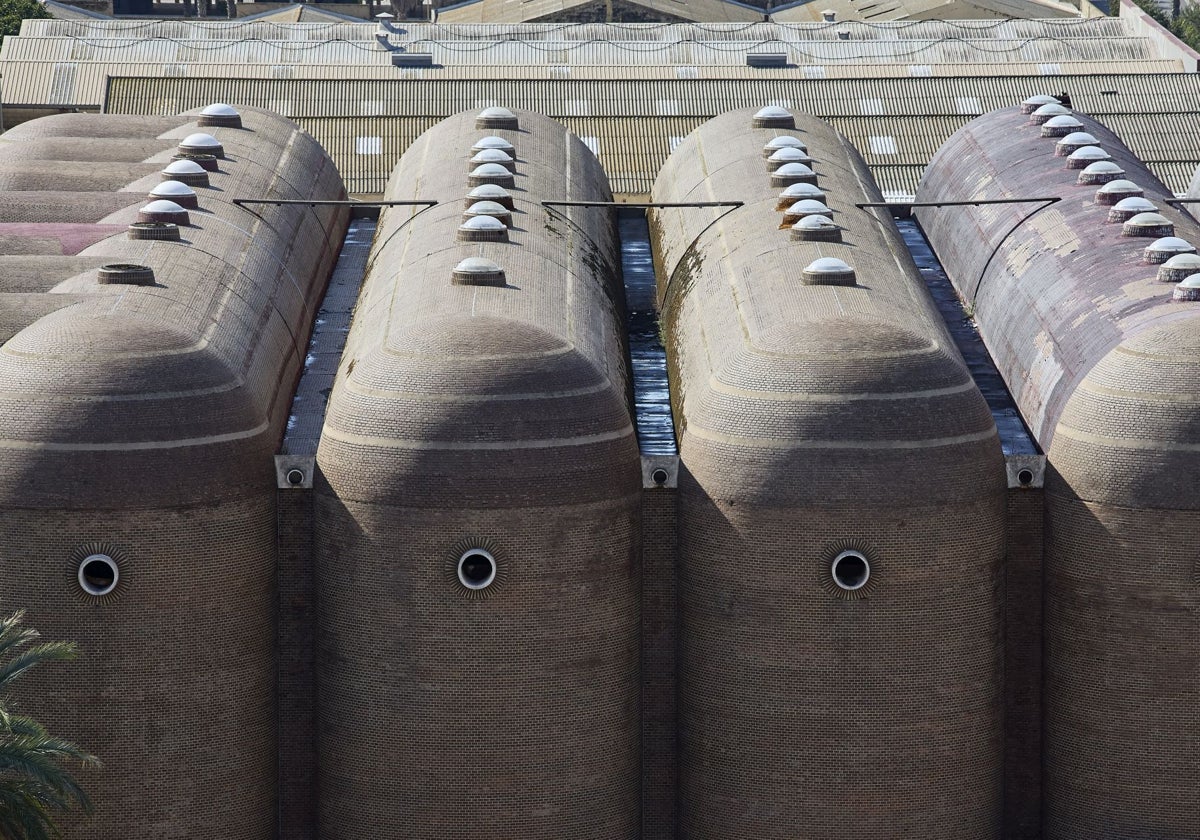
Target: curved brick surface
(493,417)
(1099,359)
(813,419)
(140,422)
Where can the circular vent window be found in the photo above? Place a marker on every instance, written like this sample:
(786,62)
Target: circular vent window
(476,568)
(850,570)
(98,574)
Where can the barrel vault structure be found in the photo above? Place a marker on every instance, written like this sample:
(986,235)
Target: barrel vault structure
(841,505)
(151,333)
(476,509)
(1081,304)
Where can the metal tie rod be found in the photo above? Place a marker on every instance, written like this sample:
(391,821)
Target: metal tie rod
(242,202)
(643,205)
(1048,200)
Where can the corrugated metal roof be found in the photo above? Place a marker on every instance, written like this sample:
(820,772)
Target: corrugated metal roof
(897,123)
(520,11)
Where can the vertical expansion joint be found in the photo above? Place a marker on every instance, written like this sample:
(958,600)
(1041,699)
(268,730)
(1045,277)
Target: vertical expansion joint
(125,274)
(176,191)
(496,119)
(202,144)
(1178,268)
(163,210)
(477,271)
(787,155)
(205,161)
(773,117)
(784,141)
(793,173)
(1116,190)
(816,229)
(490,173)
(1034,102)
(829,271)
(156,231)
(494,142)
(1061,126)
(219,115)
(1043,113)
(495,156)
(1148,224)
(1187,289)
(490,208)
(1100,172)
(798,192)
(186,172)
(482,229)
(805,207)
(490,192)
(1073,142)
(1129,207)
(1161,250)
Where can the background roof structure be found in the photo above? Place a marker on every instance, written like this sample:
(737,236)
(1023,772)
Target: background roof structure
(898,89)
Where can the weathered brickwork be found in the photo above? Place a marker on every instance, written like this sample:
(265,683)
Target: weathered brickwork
(1023,642)
(660,640)
(818,419)
(1100,358)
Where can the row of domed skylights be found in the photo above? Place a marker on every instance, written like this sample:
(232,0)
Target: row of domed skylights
(1176,258)
(170,201)
(802,201)
(489,205)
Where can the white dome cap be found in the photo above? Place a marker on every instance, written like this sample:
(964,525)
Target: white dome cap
(492,142)
(1184,261)
(219,109)
(1120,185)
(489,191)
(163,206)
(483,223)
(789,153)
(492,156)
(1052,109)
(1040,99)
(491,170)
(828,265)
(488,208)
(1136,204)
(785,141)
(1079,138)
(497,113)
(772,112)
(184,167)
(200,140)
(1192,281)
(810,206)
(168,189)
(816,222)
(1062,121)
(1090,153)
(799,191)
(1172,244)
(792,169)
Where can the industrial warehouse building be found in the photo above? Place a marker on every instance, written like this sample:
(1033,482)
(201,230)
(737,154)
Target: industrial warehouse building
(408,526)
